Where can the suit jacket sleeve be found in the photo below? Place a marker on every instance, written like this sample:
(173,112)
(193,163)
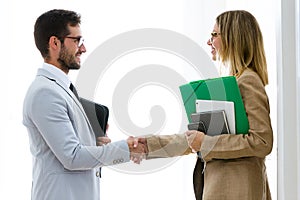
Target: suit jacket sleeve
(259,140)
(164,146)
(74,151)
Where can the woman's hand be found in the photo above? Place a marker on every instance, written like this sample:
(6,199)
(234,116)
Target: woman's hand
(194,139)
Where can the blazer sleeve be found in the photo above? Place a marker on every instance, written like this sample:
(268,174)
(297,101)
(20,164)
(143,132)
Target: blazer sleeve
(163,146)
(74,152)
(259,140)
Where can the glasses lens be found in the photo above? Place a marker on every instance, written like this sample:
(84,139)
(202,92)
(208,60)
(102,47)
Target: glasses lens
(214,34)
(80,41)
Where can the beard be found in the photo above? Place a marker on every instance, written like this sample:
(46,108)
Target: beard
(67,60)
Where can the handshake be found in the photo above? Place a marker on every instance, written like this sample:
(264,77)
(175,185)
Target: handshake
(138,148)
(172,145)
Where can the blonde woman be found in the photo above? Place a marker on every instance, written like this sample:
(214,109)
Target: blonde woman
(234,163)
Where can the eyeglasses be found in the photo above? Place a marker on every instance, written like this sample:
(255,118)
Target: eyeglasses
(78,40)
(213,35)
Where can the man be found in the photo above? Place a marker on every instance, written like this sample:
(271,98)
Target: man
(63,145)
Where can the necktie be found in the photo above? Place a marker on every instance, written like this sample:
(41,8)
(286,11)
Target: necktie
(73,89)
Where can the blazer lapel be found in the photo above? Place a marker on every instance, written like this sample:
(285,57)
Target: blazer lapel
(52,77)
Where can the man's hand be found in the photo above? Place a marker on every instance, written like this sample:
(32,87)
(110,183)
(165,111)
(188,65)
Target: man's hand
(103,140)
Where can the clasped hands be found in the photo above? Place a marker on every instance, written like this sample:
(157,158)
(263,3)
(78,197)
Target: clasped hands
(139,149)
(138,145)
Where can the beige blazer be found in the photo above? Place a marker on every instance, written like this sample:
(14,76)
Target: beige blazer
(235,164)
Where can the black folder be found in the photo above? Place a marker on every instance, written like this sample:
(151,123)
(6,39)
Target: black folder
(211,123)
(199,126)
(97,114)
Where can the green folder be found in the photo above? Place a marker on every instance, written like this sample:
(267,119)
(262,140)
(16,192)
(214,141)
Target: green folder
(222,89)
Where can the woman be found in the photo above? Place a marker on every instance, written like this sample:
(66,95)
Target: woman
(234,164)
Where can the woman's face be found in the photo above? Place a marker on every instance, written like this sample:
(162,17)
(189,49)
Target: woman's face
(215,42)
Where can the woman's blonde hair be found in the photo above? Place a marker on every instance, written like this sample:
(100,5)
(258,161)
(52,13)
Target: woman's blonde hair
(242,43)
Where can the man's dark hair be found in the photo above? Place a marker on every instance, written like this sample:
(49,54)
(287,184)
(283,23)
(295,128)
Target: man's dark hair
(53,23)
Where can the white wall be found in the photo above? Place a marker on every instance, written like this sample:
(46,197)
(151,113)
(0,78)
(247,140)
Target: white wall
(288,104)
(297,14)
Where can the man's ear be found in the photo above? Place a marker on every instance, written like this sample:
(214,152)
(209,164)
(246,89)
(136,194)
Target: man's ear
(53,42)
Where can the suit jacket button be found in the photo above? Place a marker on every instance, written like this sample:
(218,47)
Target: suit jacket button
(97,173)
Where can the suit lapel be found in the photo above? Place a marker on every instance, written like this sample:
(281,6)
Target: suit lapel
(52,77)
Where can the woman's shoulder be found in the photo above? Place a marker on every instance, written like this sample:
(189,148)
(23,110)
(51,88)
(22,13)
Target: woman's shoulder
(249,76)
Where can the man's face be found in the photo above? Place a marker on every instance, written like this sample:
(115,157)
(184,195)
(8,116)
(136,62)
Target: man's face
(71,49)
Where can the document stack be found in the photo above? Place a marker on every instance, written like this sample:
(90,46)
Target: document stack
(217,96)
(211,122)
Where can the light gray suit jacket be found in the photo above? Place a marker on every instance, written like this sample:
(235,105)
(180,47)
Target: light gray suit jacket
(65,156)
